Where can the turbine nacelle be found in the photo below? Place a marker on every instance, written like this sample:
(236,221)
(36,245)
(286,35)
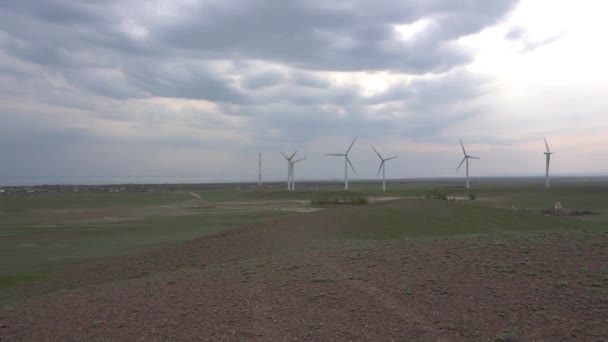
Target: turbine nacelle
(382,160)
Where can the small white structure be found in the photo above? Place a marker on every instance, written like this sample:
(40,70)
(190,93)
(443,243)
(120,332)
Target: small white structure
(557,206)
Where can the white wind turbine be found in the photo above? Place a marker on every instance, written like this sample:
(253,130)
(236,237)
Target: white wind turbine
(383,168)
(293,179)
(548,158)
(346,163)
(289,164)
(465,159)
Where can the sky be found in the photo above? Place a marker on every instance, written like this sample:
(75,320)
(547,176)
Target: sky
(186,89)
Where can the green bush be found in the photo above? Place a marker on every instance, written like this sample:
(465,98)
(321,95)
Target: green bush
(472,196)
(436,193)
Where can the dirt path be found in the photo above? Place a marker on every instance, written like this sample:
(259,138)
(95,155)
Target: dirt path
(277,281)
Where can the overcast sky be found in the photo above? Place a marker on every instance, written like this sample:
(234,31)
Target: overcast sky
(197,88)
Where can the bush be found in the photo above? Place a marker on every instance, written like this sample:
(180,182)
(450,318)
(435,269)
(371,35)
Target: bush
(472,196)
(436,193)
(346,198)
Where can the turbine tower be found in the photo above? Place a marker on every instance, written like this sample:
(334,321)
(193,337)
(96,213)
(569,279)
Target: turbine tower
(346,163)
(292,168)
(289,168)
(383,168)
(465,159)
(548,159)
(259,169)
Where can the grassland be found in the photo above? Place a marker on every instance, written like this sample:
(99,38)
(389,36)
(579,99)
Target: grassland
(44,233)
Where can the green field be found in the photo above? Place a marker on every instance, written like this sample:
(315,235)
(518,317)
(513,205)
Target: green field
(41,234)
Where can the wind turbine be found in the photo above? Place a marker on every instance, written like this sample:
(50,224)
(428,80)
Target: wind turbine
(289,173)
(466,158)
(259,169)
(548,158)
(293,179)
(383,168)
(346,163)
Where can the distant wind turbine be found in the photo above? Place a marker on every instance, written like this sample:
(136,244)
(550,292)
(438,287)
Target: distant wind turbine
(465,159)
(346,163)
(548,159)
(383,168)
(289,168)
(259,169)
(293,179)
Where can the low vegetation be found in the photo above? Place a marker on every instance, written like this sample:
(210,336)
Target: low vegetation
(340,198)
(436,193)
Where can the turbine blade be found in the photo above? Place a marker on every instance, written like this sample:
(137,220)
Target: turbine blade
(351,145)
(351,165)
(335,154)
(547,145)
(391,158)
(380,168)
(284,155)
(463,150)
(471,157)
(377,153)
(299,160)
(293,154)
(462,162)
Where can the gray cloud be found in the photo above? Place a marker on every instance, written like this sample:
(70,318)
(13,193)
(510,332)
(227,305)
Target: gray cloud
(265,69)
(182,79)
(529,44)
(264,79)
(321,36)
(72,37)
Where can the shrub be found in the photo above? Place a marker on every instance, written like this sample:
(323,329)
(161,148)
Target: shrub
(436,193)
(346,198)
(472,196)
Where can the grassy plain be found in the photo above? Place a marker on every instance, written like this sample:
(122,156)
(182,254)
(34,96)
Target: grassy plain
(41,234)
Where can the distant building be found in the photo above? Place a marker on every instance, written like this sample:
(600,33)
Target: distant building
(557,206)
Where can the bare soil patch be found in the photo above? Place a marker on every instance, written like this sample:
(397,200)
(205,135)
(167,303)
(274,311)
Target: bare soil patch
(380,199)
(277,281)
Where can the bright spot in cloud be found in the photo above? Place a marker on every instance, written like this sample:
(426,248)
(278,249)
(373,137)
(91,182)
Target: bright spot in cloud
(411,31)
